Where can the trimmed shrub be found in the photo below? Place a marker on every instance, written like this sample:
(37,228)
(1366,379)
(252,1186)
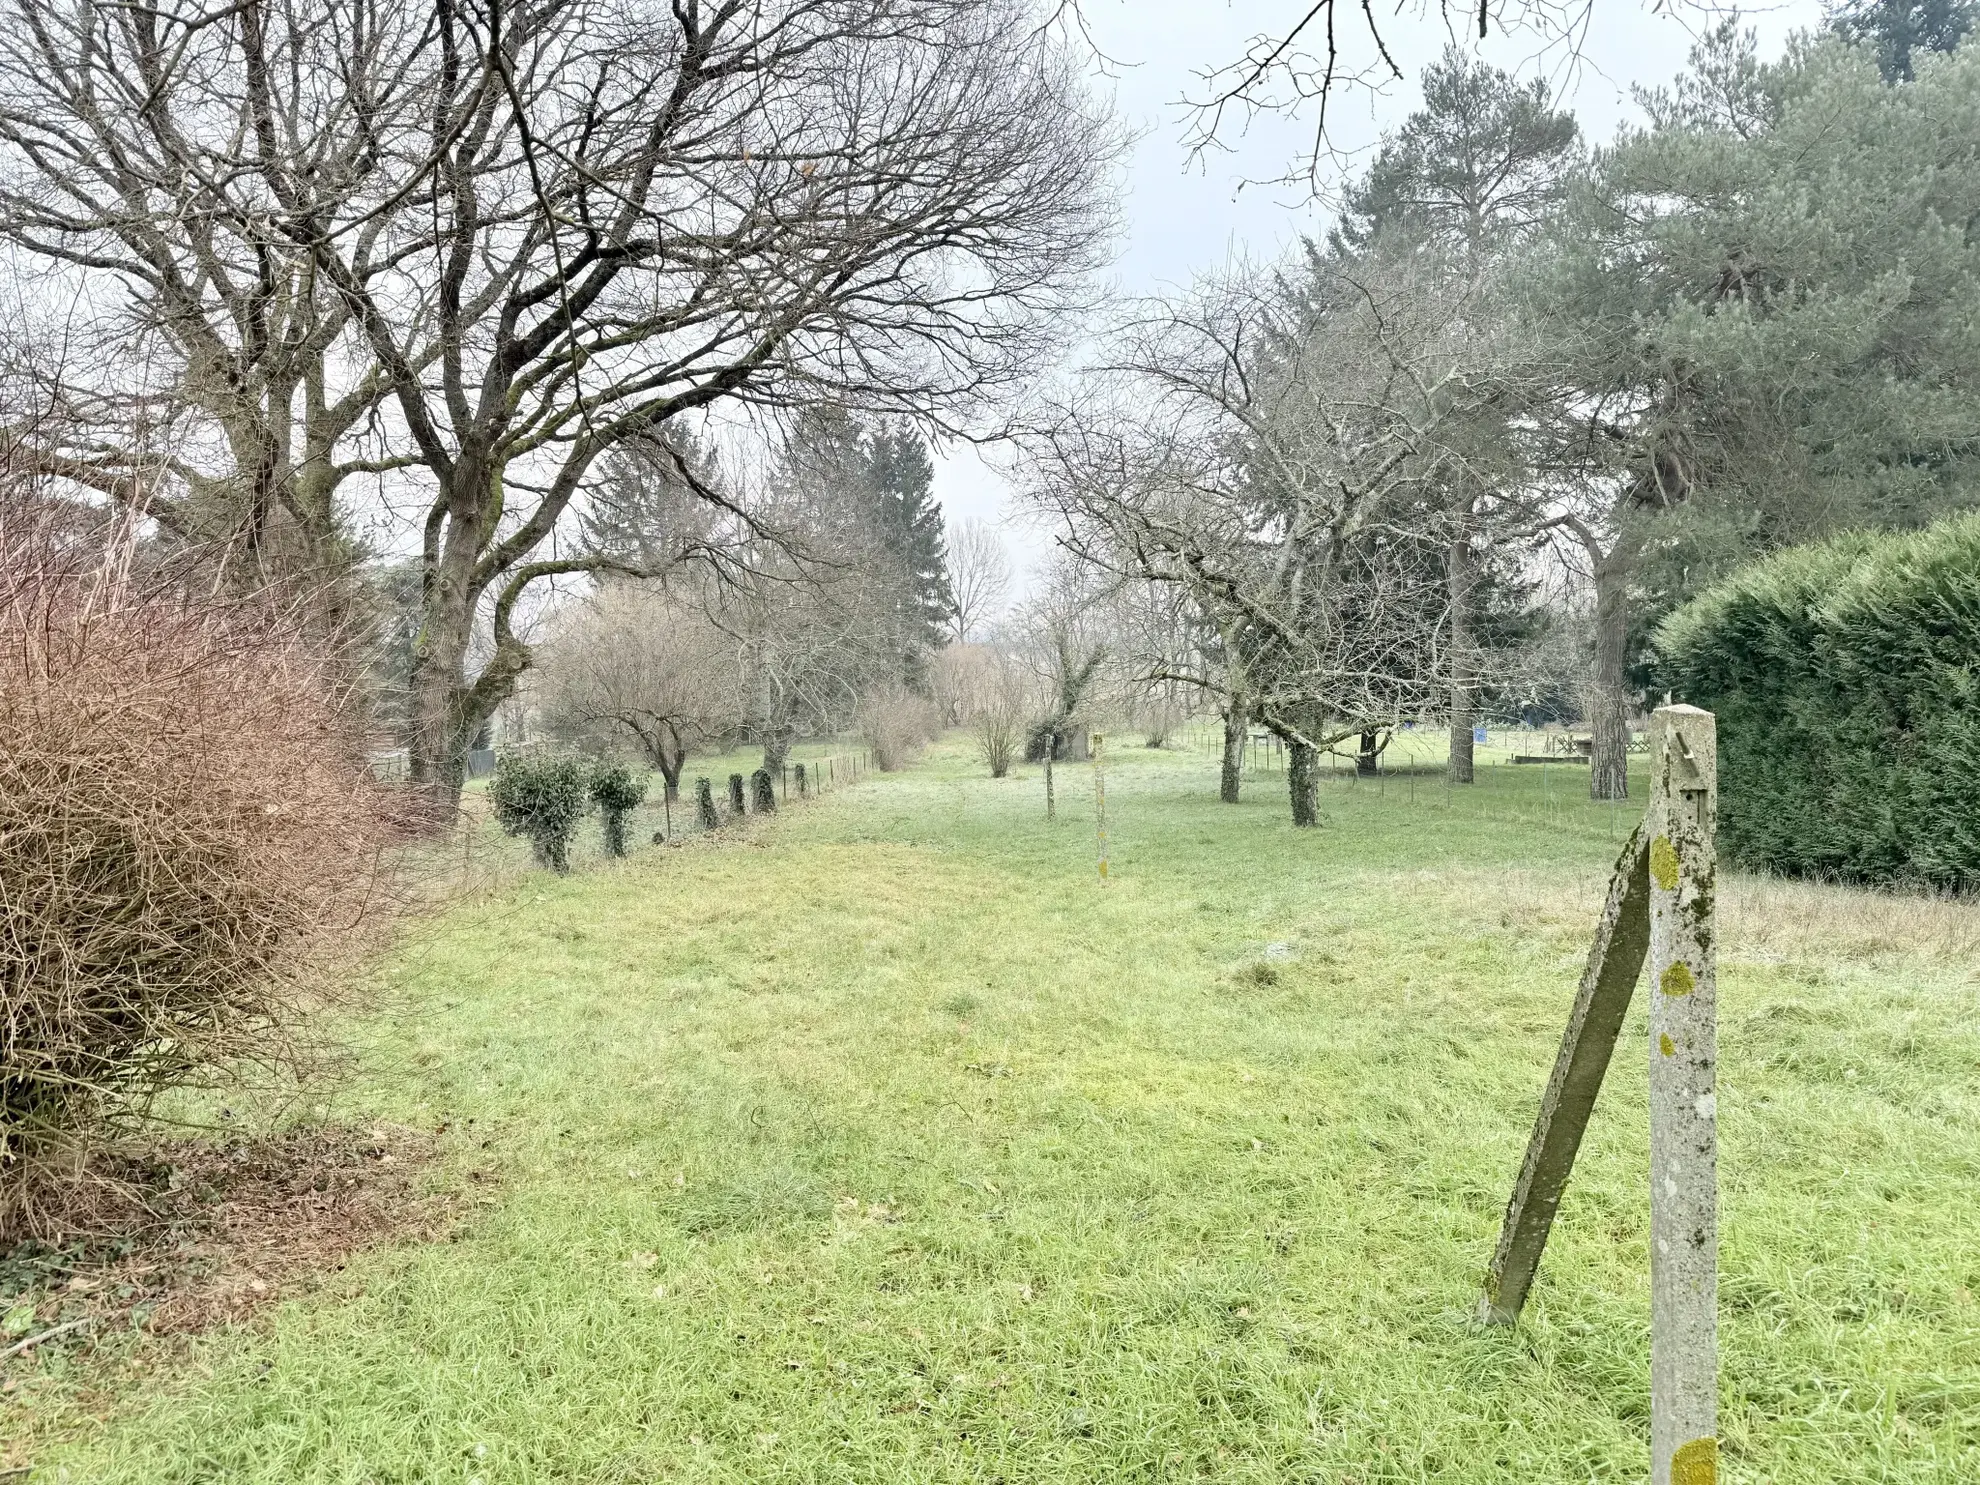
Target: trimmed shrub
(190,842)
(1846,680)
(541,796)
(704,804)
(763,792)
(617,794)
(736,796)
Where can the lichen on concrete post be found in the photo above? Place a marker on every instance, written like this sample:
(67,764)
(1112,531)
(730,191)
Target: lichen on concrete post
(704,804)
(1684,1282)
(736,787)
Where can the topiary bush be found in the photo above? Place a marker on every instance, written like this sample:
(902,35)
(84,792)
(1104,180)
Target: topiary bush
(541,796)
(1846,681)
(191,844)
(617,794)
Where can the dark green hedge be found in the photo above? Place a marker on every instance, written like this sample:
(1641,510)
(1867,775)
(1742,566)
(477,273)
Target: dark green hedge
(1846,679)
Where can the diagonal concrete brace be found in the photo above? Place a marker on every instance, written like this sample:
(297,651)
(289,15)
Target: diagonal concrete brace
(1622,938)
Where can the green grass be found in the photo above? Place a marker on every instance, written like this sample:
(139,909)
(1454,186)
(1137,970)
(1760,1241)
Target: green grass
(883,1142)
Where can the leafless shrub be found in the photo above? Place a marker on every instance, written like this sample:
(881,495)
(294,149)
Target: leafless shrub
(897,723)
(1000,736)
(188,843)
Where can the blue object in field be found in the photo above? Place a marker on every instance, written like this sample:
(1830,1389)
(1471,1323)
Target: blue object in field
(1478,735)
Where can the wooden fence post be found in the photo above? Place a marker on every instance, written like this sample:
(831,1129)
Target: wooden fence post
(1684,1168)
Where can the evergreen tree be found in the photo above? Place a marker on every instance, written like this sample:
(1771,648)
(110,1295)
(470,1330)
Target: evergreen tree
(901,479)
(1483,162)
(1771,317)
(1896,29)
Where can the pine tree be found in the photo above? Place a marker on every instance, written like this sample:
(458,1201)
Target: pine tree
(1896,29)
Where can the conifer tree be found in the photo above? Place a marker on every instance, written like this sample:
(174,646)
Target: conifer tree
(1895,30)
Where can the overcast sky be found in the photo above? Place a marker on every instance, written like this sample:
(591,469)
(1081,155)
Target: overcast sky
(1185,216)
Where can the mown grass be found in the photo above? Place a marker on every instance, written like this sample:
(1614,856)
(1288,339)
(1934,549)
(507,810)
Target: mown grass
(882,1142)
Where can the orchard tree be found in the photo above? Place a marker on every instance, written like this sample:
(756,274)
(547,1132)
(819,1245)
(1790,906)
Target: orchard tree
(1275,445)
(1473,174)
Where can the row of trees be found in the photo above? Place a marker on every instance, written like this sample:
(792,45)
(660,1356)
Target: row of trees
(1516,361)
(300,277)
(815,602)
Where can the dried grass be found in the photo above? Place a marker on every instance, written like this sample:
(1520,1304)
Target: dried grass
(189,844)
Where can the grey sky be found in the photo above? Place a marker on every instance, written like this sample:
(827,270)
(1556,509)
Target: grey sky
(1184,217)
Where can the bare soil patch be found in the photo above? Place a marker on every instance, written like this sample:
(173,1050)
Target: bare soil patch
(213,1230)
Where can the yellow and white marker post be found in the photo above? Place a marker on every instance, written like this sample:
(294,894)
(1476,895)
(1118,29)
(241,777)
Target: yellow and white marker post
(1684,1126)
(1100,802)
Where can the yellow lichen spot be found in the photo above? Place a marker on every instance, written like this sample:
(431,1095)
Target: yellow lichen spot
(1696,1463)
(1677,980)
(1664,863)
(1666,1045)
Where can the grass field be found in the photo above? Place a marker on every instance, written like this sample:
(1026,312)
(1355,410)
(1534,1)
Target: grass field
(883,1142)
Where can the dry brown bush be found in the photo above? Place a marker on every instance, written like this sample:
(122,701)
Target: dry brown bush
(897,723)
(189,842)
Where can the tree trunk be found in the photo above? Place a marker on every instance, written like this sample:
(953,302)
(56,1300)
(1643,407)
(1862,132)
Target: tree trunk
(777,747)
(446,711)
(1230,780)
(670,773)
(1608,764)
(1368,760)
(1303,780)
(1463,698)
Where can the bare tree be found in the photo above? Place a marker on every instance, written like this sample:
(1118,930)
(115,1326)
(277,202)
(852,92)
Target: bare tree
(979,576)
(1334,48)
(637,661)
(482,247)
(1275,448)
(999,718)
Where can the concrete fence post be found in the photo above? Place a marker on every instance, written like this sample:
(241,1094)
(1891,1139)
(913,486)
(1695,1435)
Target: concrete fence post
(704,804)
(736,795)
(1684,1155)
(1100,802)
(1661,907)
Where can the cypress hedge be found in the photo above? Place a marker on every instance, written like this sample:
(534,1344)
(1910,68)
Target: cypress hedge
(1846,679)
